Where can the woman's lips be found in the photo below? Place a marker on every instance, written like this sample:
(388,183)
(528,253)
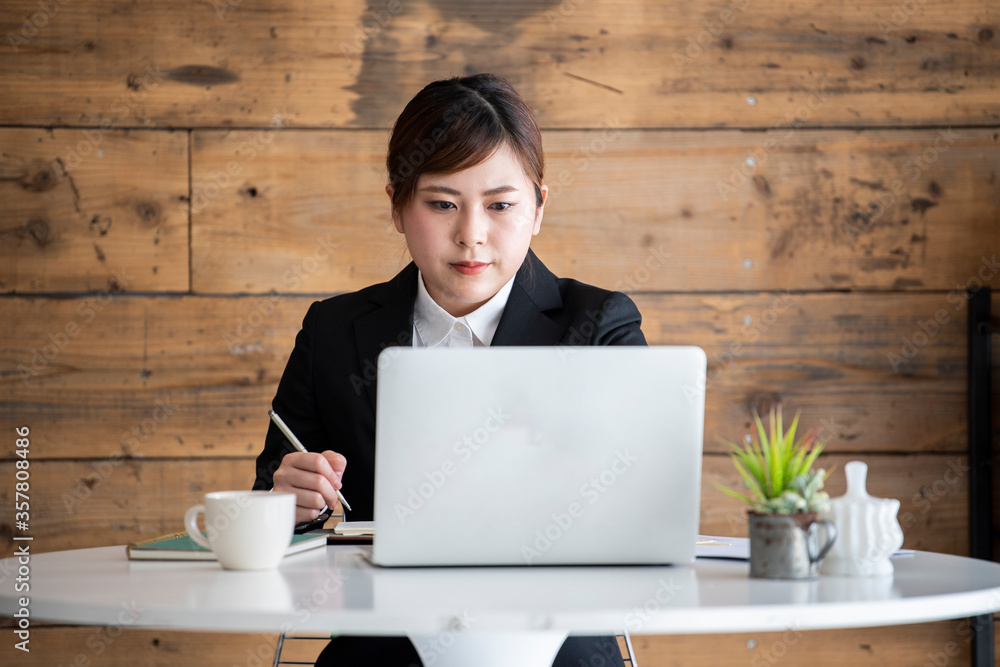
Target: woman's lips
(470,268)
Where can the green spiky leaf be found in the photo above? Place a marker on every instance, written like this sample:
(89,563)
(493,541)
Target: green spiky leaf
(777,468)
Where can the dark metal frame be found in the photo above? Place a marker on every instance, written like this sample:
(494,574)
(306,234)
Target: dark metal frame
(980,459)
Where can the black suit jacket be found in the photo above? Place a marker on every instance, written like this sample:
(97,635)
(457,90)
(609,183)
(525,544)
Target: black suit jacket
(327,392)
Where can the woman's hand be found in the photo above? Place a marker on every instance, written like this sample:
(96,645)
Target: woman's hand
(314,479)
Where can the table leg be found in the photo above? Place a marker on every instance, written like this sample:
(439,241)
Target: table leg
(982,640)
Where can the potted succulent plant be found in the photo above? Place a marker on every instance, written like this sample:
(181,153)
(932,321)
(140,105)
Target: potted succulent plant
(785,495)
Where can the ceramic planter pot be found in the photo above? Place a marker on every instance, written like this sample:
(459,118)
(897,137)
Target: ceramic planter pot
(788,546)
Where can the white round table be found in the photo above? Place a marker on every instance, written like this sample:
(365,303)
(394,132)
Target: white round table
(335,590)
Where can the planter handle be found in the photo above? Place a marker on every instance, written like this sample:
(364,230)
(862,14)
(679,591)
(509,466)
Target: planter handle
(831,537)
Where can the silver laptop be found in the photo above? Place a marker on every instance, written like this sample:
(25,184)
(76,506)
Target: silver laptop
(538,455)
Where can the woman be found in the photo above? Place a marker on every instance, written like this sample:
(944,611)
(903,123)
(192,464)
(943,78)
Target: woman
(465,168)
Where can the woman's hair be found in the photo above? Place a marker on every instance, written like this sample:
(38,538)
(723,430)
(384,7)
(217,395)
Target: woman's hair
(457,123)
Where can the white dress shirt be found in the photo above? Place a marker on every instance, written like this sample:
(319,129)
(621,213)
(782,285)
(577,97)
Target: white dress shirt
(433,326)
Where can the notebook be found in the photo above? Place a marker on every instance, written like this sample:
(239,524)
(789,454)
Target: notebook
(538,455)
(180,546)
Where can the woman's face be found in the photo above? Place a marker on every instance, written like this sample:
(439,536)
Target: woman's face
(468,232)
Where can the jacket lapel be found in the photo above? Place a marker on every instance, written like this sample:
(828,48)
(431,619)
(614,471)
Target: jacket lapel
(387,326)
(523,321)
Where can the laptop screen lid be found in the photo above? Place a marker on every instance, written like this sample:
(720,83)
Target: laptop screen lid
(538,455)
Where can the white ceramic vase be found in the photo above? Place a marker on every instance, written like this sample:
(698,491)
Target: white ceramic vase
(868,530)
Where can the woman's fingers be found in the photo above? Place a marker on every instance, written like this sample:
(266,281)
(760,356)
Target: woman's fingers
(338,463)
(313,478)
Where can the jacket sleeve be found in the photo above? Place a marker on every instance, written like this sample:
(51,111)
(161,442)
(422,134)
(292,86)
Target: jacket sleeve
(618,322)
(295,403)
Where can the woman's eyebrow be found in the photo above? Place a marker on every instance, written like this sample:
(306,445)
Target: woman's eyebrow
(444,189)
(499,190)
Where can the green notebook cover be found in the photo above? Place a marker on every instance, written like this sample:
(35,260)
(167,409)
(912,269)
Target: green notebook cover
(180,546)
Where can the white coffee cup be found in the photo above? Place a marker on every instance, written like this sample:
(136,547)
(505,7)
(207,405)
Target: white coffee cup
(247,530)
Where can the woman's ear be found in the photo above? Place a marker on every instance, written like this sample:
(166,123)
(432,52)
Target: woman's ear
(541,210)
(397,220)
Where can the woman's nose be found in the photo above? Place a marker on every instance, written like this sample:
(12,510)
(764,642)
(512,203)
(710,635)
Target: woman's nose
(472,228)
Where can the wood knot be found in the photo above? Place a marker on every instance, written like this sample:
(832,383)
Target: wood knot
(762,186)
(858,63)
(985,35)
(148,211)
(100,224)
(41,177)
(202,75)
(39,230)
(920,205)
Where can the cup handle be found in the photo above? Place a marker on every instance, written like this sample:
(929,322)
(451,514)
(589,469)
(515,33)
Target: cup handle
(191,523)
(831,537)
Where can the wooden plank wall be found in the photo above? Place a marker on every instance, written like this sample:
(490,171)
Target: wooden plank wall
(804,189)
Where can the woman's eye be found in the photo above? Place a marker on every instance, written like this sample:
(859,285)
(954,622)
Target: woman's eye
(442,205)
(500,206)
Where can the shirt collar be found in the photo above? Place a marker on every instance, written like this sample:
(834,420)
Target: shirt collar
(433,323)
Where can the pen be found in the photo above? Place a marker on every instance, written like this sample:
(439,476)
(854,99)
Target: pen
(299,446)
